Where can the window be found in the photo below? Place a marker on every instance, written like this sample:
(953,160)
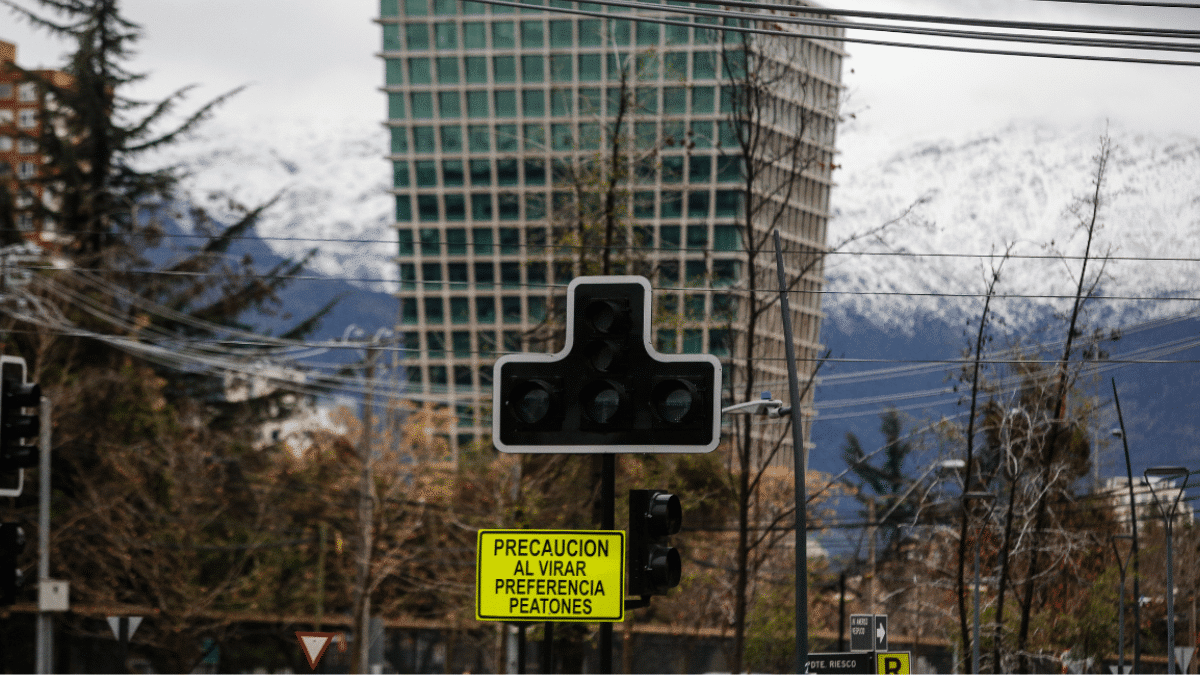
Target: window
(27,92)
(485,274)
(535,137)
(408,275)
(506,172)
(481,172)
(481,211)
(460,310)
(26,169)
(405,241)
(589,67)
(725,307)
(417,35)
(535,272)
(487,345)
(403,208)
(560,102)
(560,34)
(477,104)
(475,68)
(702,100)
(447,70)
(725,272)
(6,143)
(6,90)
(512,341)
(423,139)
(675,66)
(532,34)
(668,236)
(503,35)
(437,374)
(474,36)
(697,236)
(693,307)
(560,68)
(27,119)
(506,137)
(427,208)
(672,169)
(400,174)
(510,240)
(537,309)
(399,140)
(589,136)
(696,270)
(647,99)
(416,7)
(506,103)
(452,173)
(533,101)
(729,203)
(456,274)
(510,309)
(481,237)
(561,137)
(647,34)
(645,135)
(452,137)
(462,379)
(426,173)
(693,341)
(699,169)
(510,275)
(535,172)
(408,311)
(445,7)
(591,33)
(533,69)
(433,310)
(726,238)
(665,341)
(461,340)
(504,69)
(509,207)
(485,310)
(674,100)
(479,138)
(6,117)
(431,274)
(395,106)
(431,243)
(704,65)
(729,169)
(456,209)
(419,71)
(672,207)
(393,71)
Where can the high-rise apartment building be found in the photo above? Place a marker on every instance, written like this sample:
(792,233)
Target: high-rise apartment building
(498,113)
(22,102)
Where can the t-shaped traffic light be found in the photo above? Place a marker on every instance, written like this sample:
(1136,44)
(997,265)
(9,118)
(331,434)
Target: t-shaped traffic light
(608,390)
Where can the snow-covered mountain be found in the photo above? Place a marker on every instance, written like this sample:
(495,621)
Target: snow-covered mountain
(973,195)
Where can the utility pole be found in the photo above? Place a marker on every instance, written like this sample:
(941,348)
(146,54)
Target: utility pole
(871,555)
(366,517)
(45,632)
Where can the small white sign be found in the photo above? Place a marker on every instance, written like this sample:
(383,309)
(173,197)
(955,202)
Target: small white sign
(114,622)
(1183,657)
(53,595)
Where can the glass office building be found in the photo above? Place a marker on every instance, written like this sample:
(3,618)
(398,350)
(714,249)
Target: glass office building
(495,112)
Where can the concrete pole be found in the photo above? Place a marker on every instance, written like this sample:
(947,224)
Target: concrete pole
(45,634)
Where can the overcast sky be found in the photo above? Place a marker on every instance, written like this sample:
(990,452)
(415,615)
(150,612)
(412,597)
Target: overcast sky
(316,59)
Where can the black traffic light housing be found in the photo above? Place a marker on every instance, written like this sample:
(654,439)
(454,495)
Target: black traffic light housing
(20,420)
(12,542)
(654,566)
(608,390)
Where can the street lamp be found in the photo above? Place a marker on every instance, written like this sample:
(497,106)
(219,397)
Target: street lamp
(1122,563)
(1165,473)
(967,499)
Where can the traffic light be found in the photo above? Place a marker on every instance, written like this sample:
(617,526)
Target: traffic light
(12,542)
(608,390)
(20,422)
(654,567)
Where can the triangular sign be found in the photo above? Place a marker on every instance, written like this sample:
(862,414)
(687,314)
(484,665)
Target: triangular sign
(1128,669)
(1183,657)
(313,645)
(114,622)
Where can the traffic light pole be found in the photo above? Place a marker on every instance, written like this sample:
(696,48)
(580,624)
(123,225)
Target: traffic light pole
(45,636)
(800,467)
(608,498)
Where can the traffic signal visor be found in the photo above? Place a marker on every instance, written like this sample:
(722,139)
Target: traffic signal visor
(608,390)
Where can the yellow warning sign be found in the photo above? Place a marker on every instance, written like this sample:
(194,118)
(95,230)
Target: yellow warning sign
(893,662)
(550,575)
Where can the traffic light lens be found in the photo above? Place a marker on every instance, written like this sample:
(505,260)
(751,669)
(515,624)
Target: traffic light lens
(601,315)
(673,401)
(603,354)
(531,403)
(602,402)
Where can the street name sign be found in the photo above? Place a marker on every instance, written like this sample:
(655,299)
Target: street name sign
(550,575)
(842,662)
(861,639)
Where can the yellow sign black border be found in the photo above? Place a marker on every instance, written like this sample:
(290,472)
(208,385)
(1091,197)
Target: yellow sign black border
(620,534)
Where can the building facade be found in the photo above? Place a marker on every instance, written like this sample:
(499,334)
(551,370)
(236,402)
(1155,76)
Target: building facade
(501,123)
(22,104)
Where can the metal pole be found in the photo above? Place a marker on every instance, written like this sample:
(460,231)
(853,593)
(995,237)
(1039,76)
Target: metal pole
(975,645)
(521,649)
(1121,629)
(45,636)
(1137,597)
(608,479)
(1170,599)
(548,648)
(800,466)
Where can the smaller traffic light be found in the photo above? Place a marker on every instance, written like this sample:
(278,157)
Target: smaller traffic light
(654,566)
(12,542)
(20,423)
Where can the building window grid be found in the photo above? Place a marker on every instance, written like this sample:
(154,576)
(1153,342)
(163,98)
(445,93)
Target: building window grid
(524,191)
